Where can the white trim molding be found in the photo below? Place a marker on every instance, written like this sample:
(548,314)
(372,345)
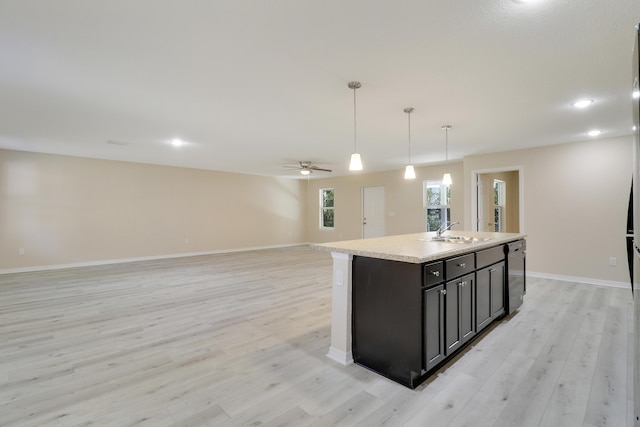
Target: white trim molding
(341,349)
(610,283)
(144,258)
(344,358)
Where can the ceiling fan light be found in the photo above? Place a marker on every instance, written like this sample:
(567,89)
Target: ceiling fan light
(446,179)
(356,162)
(409,172)
(305,172)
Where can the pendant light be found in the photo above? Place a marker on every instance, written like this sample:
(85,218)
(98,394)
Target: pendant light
(356,162)
(409,172)
(446,179)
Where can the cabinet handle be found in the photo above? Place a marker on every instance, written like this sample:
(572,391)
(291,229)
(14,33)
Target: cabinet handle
(443,292)
(463,283)
(463,265)
(491,270)
(435,273)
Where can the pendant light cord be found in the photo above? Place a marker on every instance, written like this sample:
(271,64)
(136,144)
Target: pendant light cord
(446,178)
(446,142)
(355,144)
(354,85)
(409,115)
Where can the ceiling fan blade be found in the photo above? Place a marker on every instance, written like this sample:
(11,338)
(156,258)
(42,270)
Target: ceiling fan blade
(316,168)
(291,167)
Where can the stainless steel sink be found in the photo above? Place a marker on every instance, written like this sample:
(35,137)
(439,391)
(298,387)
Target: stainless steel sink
(460,239)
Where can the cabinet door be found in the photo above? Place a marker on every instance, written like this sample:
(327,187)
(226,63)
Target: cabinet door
(497,275)
(434,350)
(460,311)
(489,294)
(453,337)
(484,314)
(467,286)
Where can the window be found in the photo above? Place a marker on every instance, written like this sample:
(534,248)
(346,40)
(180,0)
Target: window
(437,208)
(499,204)
(326,208)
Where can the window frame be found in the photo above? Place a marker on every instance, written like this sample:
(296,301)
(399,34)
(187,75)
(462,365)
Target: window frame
(324,208)
(445,209)
(499,203)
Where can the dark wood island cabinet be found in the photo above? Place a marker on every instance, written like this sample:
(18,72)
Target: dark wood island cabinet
(404,305)
(408,318)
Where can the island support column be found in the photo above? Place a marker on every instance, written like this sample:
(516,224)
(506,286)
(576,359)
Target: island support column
(340,349)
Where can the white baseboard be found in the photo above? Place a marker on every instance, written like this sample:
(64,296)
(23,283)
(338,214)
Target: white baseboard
(344,358)
(145,258)
(610,283)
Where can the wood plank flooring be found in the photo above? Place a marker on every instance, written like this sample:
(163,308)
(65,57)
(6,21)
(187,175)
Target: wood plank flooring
(241,340)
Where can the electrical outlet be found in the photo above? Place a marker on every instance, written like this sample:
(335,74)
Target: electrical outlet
(21,251)
(339,278)
(613,261)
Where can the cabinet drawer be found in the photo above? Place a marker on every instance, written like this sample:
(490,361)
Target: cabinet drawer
(459,266)
(489,256)
(433,273)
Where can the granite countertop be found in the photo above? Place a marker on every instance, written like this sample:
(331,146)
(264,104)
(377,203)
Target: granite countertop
(417,248)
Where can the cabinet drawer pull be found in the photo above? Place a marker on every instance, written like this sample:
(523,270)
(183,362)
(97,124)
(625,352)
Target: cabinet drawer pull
(435,273)
(491,270)
(463,283)
(462,265)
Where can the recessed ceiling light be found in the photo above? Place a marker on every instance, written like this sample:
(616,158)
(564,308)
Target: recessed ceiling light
(177,142)
(636,94)
(582,103)
(115,142)
(594,132)
(634,128)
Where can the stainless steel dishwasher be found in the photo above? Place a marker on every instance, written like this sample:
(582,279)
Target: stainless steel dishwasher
(516,253)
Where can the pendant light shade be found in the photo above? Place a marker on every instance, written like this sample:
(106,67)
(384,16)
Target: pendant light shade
(446,179)
(409,172)
(356,162)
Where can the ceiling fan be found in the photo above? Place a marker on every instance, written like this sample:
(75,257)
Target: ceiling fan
(306,168)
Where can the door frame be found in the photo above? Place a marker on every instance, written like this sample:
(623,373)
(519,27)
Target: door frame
(474,193)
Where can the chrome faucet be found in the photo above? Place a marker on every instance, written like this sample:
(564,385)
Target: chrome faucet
(444,228)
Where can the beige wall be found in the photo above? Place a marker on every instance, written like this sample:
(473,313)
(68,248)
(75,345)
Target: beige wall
(575,205)
(403,201)
(64,210)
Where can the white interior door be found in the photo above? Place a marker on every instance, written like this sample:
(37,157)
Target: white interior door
(373,212)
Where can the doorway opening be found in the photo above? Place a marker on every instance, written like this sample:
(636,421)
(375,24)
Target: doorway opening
(497,200)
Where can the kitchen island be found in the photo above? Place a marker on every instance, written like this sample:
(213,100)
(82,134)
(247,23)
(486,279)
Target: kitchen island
(403,305)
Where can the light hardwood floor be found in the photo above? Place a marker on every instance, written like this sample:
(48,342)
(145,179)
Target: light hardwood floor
(241,340)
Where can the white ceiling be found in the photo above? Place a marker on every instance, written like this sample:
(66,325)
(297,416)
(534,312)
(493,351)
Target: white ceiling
(254,85)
